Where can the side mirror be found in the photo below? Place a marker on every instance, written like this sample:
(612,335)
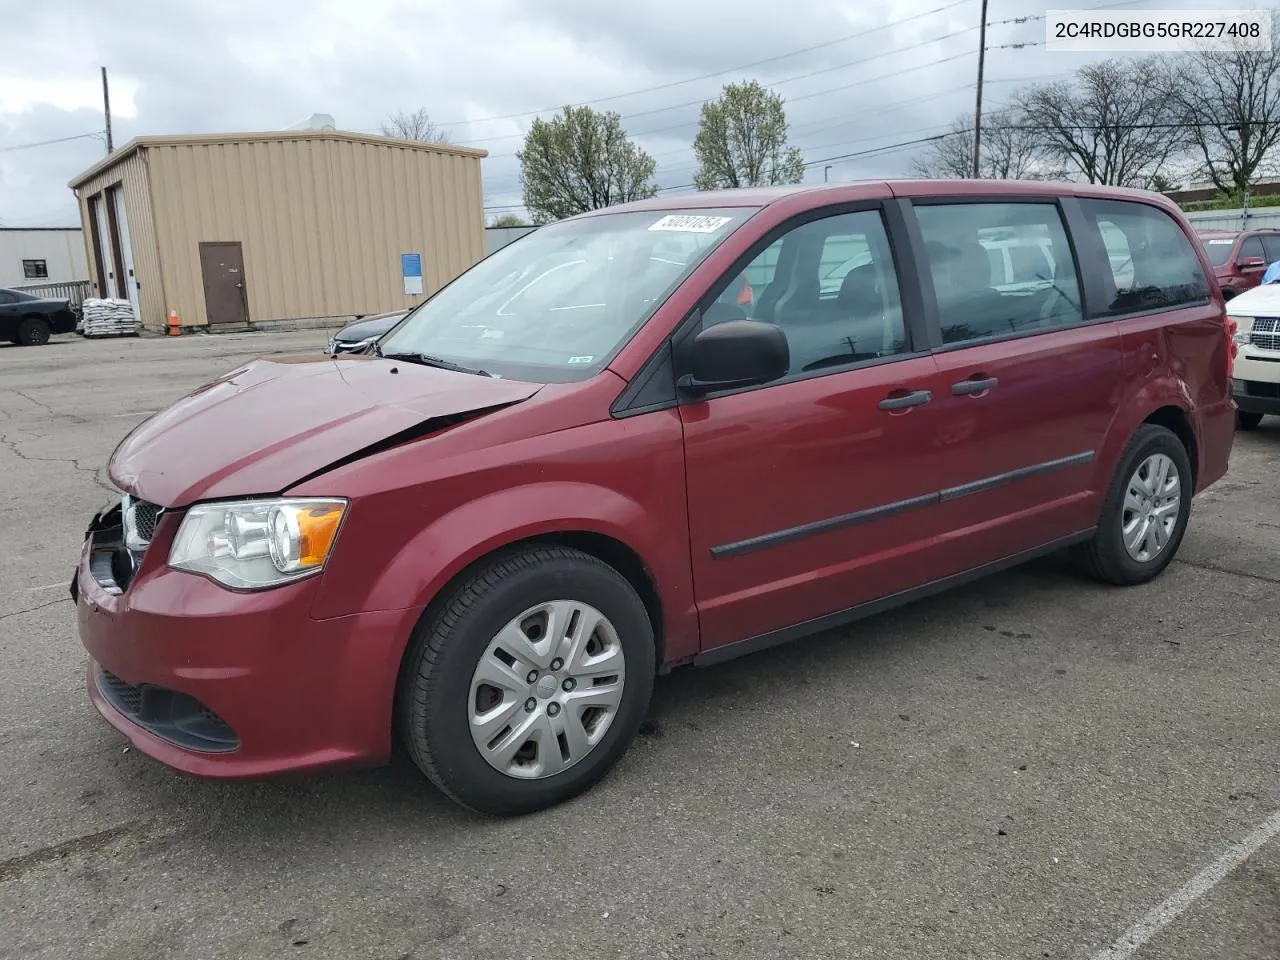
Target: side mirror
(1253,263)
(736,353)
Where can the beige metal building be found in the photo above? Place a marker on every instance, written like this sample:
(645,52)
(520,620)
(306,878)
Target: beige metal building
(253,228)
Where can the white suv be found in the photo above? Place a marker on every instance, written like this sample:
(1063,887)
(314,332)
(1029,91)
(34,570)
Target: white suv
(1257,368)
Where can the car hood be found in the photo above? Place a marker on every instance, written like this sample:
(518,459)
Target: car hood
(262,428)
(1261,301)
(368,327)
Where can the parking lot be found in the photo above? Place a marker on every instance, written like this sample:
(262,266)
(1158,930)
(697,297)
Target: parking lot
(1025,768)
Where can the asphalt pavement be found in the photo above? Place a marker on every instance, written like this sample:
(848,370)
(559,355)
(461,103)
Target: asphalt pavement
(1024,768)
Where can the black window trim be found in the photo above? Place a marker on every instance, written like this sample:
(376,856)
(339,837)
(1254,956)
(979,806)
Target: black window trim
(1060,201)
(908,291)
(1089,230)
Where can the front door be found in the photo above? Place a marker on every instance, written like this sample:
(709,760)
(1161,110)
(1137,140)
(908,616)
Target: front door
(817,492)
(225,298)
(1026,389)
(125,248)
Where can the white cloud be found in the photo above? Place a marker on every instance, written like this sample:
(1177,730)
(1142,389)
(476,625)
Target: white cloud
(180,67)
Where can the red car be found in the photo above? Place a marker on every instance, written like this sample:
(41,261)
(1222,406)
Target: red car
(1240,259)
(597,456)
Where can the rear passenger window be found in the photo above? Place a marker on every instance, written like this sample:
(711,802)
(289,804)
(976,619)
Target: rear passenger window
(830,284)
(1152,265)
(1272,246)
(999,268)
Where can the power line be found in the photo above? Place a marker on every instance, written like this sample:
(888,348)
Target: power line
(772,84)
(718,73)
(803,76)
(45,143)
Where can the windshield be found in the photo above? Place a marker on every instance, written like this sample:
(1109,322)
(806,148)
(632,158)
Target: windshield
(556,305)
(1219,250)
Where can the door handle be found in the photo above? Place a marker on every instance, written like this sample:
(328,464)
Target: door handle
(913,399)
(966,387)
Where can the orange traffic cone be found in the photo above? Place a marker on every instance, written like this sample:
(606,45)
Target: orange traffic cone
(174,329)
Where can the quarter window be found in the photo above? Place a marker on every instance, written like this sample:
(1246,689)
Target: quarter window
(1153,265)
(999,268)
(830,284)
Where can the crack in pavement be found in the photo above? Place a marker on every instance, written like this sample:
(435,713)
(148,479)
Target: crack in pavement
(15,867)
(12,446)
(39,606)
(1229,572)
(39,403)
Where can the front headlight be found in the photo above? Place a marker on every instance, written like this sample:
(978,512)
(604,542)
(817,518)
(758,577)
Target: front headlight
(1244,329)
(255,544)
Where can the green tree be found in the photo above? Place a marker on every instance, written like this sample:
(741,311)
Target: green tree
(581,160)
(510,220)
(742,140)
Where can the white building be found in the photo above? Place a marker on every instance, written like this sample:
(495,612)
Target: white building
(41,255)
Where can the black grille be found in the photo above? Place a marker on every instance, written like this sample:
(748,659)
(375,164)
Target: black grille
(145,516)
(125,696)
(176,717)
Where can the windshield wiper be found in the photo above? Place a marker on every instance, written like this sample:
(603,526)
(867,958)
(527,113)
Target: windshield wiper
(429,361)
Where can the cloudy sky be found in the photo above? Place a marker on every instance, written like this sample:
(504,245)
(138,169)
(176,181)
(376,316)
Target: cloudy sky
(859,77)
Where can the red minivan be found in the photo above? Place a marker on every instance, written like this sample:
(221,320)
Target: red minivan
(665,433)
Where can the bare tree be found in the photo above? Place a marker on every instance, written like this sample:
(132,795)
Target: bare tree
(415,126)
(1010,151)
(1230,104)
(1114,122)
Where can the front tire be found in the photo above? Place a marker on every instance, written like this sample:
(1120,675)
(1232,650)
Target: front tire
(528,682)
(33,332)
(1145,513)
(1247,421)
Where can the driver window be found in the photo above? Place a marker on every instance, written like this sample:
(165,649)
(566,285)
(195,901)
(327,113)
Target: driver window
(830,284)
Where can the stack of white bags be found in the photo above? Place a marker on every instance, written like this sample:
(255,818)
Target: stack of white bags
(109,318)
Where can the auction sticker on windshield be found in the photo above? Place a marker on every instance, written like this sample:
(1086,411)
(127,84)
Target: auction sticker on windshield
(688,223)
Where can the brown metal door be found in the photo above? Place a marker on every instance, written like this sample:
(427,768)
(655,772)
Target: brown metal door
(225,300)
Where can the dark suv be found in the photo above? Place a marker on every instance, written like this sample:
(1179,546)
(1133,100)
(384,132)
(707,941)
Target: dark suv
(1240,259)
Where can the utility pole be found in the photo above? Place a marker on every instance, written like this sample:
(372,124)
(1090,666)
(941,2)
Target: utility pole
(825,173)
(106,106)
(977,113)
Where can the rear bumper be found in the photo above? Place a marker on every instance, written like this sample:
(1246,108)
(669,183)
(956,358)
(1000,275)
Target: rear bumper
(63,322)
(223,684)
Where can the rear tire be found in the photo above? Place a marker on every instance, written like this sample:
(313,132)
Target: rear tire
(1247,421)
(444,702)
(33,332)
(1143,517)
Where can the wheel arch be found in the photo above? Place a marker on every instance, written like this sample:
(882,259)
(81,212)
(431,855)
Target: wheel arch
(1175,418)
(608,549)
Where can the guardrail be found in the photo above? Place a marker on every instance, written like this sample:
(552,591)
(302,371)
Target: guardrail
(73,290)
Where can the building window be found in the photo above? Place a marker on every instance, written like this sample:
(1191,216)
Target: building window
(35,270)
